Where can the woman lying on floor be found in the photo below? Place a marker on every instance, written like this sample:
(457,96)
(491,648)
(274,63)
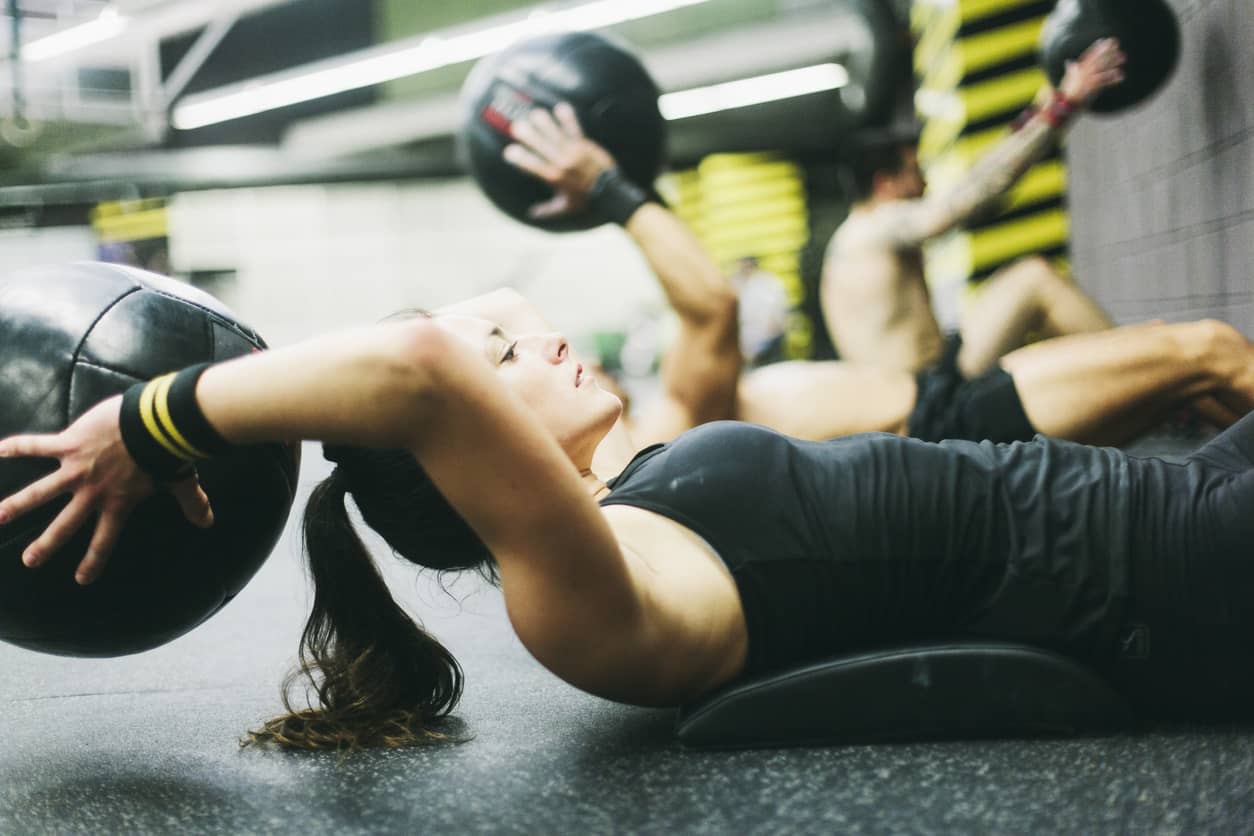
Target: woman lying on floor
(732,551)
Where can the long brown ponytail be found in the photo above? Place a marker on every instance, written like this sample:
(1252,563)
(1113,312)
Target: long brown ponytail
(378,678)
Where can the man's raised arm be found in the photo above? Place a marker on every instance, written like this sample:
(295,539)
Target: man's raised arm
(908,224)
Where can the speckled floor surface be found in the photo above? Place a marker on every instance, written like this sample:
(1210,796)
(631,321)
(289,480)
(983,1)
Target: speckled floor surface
(148,744)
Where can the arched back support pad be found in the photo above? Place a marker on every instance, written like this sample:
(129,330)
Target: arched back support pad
(942,690)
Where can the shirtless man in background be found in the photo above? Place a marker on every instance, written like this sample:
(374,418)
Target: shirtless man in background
(875,299)
(1102,388)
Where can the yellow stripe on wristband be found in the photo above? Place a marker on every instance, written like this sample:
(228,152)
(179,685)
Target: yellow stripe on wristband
(148,414)
(163,412)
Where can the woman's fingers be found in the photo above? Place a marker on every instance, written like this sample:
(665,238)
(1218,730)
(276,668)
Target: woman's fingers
(193,501)
(108,529)
(85,503)
(568,119)
(520,157)
(559,204)
(34,495)
(551,146)
(102,480)
(527,133)
(38,446)
(58,532)
(546,127)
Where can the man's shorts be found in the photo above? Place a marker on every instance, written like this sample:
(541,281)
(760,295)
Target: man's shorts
(947,405)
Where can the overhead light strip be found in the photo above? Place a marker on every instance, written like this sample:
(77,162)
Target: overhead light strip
(434,51)
(106,25)
(750,91)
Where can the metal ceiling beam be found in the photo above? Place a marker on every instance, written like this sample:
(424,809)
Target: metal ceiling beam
(96,177)
(196,57)
(150,20)
(739,53)
(49,91)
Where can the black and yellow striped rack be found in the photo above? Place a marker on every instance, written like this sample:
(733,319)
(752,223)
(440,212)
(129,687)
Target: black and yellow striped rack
(977,66)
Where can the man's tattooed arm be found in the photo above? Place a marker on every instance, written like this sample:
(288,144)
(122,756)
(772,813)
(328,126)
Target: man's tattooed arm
(907,224)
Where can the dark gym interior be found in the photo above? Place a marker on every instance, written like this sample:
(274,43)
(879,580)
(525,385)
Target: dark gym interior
(334,210)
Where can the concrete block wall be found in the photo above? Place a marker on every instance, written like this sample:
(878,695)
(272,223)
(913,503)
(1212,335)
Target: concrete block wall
(1162,197)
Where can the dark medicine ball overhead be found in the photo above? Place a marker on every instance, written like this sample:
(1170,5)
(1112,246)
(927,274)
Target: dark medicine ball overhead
(610,90)
(71,336)
(1147,31)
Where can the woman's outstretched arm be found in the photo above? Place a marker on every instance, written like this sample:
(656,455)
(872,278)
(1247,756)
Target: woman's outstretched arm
(408,385)
(364,378)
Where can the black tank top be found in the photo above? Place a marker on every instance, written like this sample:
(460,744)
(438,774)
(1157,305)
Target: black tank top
(873,539)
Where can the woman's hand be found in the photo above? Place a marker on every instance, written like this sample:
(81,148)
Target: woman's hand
(1100,66)
(102,479)
(553,148)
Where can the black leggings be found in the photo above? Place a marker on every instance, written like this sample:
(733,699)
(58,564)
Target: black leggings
(1188,642)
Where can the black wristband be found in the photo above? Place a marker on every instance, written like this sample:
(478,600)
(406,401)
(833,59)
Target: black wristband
(615,198)
(163,428)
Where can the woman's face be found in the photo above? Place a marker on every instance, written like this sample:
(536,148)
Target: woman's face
(544,372)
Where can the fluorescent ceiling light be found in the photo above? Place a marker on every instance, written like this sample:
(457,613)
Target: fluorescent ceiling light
(106,25)
(435,50)
(750,91)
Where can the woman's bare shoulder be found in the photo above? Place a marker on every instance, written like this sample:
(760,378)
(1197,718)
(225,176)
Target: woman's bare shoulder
(695,637)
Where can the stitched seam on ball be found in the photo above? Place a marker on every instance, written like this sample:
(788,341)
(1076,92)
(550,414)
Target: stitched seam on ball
(238,327)
(78,349)
(88,364)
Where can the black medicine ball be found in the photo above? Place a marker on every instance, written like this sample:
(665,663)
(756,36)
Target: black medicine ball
(609,88)
(1148,33)
(71,336)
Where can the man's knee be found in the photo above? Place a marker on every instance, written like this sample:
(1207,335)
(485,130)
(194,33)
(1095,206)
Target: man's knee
(1039,279)
(1219,338)
(1039,272)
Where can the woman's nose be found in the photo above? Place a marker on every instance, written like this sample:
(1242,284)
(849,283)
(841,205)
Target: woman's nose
(551,347)
(559,347)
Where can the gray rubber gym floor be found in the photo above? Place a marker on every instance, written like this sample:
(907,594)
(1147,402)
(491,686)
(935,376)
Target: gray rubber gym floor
(149,744)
